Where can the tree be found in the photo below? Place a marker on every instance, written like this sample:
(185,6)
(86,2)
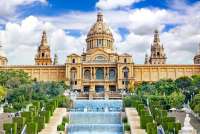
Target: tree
(176,99)
(3,92)
(184,83)
(196,81)
(166,87)
(131,87)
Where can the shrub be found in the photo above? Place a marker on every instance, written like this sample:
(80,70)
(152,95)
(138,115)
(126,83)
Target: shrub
(125,120)
(127,127)
(32,128)
(65,120)
(61,127)
(63,101)
(28,116)
(20,123)
(33,109)
(40,121)
(37,105)
(151,128)
(8,126)
(46,114)
(7,109)
(144,119)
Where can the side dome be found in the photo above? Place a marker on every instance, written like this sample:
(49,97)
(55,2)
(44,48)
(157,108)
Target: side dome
(100,35)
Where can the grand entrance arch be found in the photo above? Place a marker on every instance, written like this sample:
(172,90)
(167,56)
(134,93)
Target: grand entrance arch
(99,88)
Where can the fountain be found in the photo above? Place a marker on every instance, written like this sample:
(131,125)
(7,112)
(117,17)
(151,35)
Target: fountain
(96,117)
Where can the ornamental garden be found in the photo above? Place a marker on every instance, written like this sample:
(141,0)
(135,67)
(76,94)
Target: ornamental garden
(33,103)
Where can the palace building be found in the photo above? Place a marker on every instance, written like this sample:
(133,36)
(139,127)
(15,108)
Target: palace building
(100,68)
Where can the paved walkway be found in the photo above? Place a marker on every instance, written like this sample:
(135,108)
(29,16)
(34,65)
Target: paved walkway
(56,119)
(134,121)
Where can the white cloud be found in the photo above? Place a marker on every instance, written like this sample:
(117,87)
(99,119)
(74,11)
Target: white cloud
(20,41)
(8,7)
(113,4)
(180,40)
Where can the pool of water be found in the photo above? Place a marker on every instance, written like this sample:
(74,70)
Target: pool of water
(97,105)
(96,117)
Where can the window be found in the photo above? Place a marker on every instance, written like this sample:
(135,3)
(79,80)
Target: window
(99,74)
(73,60)
(125,71)
(125,60)
(73,74)
(75,83)
(158,53)
(42,54)
(87,74)
(112,74)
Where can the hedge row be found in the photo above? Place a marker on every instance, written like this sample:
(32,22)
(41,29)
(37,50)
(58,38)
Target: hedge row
(35,119)
(61,127)
(160,116)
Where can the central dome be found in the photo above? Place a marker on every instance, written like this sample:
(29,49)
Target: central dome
(100,35)
(99,27)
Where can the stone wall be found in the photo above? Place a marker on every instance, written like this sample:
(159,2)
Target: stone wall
(156,72)
(41,73)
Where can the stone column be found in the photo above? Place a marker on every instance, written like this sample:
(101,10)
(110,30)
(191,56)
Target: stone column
(104,69)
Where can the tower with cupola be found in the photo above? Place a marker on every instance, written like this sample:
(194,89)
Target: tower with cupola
(43,56)
(158,55)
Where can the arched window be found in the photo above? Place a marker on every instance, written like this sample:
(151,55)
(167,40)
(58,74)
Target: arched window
(73,74)
(125,60)
(112,74)
(87,74)
(42,54)
(73,60)
(125,72)
(99,74)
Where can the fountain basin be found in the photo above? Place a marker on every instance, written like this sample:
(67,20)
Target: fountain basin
(95,129)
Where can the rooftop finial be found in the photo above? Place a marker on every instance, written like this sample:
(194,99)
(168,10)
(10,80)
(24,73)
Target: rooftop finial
(99,16)
(55,62)
(156,36)
(44,38)
(198,52)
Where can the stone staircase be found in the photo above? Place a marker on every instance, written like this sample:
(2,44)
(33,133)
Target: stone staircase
(55,120)
(134,121)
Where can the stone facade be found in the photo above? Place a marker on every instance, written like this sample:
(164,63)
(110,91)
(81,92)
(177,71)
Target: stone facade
(99,68)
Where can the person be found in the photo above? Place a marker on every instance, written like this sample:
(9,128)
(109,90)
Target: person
(160,129)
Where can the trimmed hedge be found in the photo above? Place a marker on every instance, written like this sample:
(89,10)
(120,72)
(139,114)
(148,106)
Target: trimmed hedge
(32,128)
(37,105)
(124,120)
(151,128)
(20,121)
(127,127)
(46,114)
(61,127)
(8,126)
(34,110)
(40,121)
(144,119)
(28,115)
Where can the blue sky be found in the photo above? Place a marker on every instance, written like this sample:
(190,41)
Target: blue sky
(131,21)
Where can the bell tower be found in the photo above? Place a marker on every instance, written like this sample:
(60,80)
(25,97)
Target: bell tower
(197,57)
(157,51)
(43,56)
